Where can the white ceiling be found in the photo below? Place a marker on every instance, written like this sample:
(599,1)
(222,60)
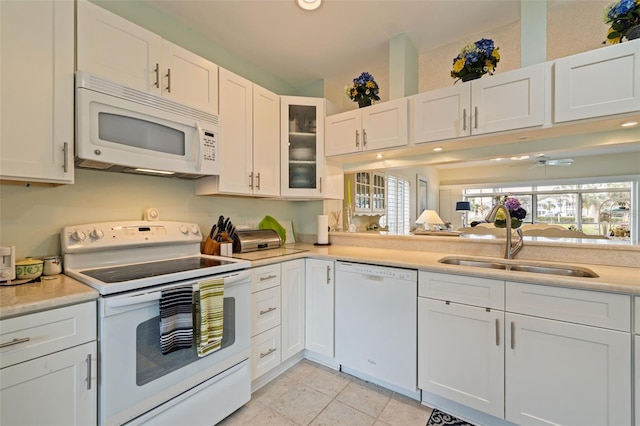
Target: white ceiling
(301,47)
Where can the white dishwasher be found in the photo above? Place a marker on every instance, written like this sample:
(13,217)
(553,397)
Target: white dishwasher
(376,324)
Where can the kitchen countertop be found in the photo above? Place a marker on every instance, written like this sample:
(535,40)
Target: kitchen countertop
(51,292)
(63,290)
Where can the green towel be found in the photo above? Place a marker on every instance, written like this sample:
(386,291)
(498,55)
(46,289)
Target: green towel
(270,223)
(209,326)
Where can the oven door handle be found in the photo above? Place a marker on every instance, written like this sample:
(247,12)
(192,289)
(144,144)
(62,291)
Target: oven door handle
(134,300)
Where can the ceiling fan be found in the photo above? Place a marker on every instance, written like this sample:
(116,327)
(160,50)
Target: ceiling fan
(543,161)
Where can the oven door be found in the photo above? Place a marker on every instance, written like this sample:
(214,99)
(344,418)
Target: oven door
(134,375)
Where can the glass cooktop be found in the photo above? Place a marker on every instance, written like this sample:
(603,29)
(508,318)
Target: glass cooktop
(152,269)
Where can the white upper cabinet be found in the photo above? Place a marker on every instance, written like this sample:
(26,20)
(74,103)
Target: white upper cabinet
(508,101)
(250,149)
(36,80)
(117,49)
(378,126)
(598,83)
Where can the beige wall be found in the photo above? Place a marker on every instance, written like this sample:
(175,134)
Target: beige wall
(33,215)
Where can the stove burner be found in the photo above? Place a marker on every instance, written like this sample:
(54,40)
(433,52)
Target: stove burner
(152,269)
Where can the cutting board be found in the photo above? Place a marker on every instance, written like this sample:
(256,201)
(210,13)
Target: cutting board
(288,226)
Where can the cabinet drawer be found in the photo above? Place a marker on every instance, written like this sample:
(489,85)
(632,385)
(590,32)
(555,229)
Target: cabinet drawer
(265,277)
(34,335)
(567,304)
(265,352)
(265,310)
(475,291)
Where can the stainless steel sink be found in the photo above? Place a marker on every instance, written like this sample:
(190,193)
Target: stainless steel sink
(538,268)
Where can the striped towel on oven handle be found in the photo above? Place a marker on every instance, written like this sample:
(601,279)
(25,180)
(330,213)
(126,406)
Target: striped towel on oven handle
(176,319)
(209,318)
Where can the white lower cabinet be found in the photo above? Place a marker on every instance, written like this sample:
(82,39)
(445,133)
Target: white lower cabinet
(554,356)
(278,306)
(320,290)
(563,373)
(48,367)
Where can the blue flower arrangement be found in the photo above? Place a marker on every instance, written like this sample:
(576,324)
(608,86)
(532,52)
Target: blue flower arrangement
(622,16)
(364,90)
(475,60)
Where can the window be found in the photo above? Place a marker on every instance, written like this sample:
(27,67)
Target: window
(595,209)
(398,193)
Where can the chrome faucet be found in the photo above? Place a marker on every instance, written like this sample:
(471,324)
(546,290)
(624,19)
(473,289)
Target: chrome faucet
(511,249)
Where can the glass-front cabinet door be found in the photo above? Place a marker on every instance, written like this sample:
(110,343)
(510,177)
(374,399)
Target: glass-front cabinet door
(302,153)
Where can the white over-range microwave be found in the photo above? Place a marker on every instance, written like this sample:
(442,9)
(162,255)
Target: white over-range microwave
(122,129)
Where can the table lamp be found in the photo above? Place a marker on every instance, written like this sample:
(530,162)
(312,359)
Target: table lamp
(429,218)
(464,207)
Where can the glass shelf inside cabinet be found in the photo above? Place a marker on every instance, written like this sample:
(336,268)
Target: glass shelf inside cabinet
(302,146)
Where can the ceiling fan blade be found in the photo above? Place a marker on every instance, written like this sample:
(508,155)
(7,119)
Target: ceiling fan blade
(560,162)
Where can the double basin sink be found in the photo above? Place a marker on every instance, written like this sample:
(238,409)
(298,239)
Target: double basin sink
(514,265)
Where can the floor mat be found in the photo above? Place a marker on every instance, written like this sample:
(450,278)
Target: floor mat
(440,418)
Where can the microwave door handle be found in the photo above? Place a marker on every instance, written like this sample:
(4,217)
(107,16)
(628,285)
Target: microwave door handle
(200,138)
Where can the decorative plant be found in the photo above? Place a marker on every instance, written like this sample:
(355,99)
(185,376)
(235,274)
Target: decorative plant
(622,16)
(364,90)
(476,59)
(515,210)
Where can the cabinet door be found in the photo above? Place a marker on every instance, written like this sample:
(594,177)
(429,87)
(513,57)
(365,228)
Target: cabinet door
(378,193)
(36,79)
(320,306)
(461,354)
(344,133)
(385,125)
(116,49)
(598,83)
(236,149)
(57,389)
(266,142)
(442,114)
(564,373)
(188,78)
(508,101)
(293,307)
(302,146)
(636,366)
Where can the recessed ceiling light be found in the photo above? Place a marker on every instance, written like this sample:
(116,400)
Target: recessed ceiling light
(497,159)
(309,4)
(379,156)
(437,149)
(522,157)
(629,124)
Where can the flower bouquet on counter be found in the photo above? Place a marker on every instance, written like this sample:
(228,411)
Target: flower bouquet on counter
(515,210)
(364,90)
(475,60)
(624,17)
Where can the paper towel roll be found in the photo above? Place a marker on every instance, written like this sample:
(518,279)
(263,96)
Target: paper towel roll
(323,229)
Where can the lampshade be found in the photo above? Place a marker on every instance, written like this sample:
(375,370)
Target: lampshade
(462,206)
(429,217)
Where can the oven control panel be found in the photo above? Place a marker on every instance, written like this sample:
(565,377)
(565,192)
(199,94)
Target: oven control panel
(106,235)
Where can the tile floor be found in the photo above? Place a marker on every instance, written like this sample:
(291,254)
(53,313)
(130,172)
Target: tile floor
(311,394)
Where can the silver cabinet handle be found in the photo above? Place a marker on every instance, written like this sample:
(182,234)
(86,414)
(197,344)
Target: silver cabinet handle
(497,332)
(258,180)
(251,180)
(464,119)
(357,139)
(65,154)
(88,372)
(320,185)
(268,277)
(328,274)
(475,117)
(271,309)
(269,352)
(157,71)
(15,341)
(364,139)
(513,335)
(169,80)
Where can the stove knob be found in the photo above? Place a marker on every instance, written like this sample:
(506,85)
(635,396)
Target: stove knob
(96,234)
(78,236)
(195,230)
(184,229)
